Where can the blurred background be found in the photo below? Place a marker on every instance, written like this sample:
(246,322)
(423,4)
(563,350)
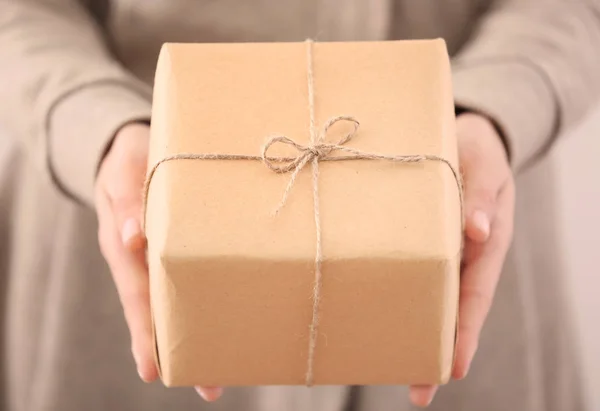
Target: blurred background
(579,192)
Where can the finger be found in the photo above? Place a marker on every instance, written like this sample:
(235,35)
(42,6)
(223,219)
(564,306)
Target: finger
(483,175)
(126,201)
(131,279)
(422,395)
(210,393)
(481,189)
(477,224)
(485,170)
(127,207)
(479,279)
(132,234)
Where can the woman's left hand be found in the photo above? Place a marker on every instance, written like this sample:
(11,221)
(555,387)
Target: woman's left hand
(489,195)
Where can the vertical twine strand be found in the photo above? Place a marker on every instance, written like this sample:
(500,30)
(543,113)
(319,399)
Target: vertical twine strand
(316,297)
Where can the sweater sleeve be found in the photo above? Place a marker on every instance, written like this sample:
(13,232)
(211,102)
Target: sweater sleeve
(62,94)
(533,67)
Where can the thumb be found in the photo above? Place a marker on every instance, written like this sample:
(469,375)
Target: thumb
(127,208)
(127,172)
(480,205)
(131,234)
(484,169)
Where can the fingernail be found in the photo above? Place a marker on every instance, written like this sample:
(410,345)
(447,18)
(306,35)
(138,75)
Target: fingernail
(137,363)
(481,222)
(460,373)
(209,393)
(463,370)
(418,400)
(131,230)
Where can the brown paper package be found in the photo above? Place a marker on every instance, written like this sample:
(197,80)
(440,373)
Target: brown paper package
(232,284)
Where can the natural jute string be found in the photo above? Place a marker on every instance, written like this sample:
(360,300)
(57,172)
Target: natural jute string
(317,150)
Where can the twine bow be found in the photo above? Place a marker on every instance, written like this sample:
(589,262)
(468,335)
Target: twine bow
(306,153)
(321,151)
(316,151)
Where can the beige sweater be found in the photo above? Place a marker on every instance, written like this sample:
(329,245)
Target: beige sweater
(72,72)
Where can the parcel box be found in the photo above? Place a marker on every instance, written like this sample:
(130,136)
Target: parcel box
(353,277)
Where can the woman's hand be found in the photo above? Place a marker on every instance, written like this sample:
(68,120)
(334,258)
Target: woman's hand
(489,195)
(119,208)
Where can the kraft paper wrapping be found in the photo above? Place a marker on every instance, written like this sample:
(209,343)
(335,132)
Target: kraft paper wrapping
(232,284)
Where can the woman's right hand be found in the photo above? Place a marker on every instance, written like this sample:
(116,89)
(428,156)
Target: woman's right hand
(118,197)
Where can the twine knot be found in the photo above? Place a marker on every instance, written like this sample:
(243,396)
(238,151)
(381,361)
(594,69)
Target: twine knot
(319,151)
(313,152)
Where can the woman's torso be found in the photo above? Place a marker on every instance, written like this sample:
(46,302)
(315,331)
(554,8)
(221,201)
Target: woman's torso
(137,28)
